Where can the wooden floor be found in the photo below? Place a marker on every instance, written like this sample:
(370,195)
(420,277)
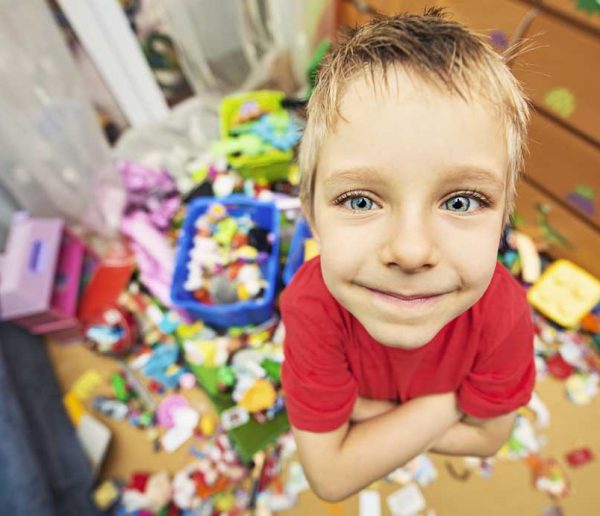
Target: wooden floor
(507,492)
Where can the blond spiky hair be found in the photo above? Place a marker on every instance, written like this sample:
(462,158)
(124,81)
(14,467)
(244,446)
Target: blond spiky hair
(442,52)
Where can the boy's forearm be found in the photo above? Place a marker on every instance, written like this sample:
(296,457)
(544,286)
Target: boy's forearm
(373,448)
(481,439)
(463,439)
(365,408)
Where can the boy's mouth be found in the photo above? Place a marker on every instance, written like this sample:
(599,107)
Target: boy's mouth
(411,299)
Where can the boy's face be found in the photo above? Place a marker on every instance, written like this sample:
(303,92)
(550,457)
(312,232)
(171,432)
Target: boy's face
(408,207)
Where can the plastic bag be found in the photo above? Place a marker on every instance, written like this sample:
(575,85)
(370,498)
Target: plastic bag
(172,143)
(54,159)
(248,44)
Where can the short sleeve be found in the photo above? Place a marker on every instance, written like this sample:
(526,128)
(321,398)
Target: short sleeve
(319,388)
(503,376)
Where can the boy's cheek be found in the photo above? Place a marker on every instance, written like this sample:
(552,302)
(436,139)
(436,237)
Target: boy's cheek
(342,248)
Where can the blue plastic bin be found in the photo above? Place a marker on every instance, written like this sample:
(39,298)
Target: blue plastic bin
(296,255)
(243,313)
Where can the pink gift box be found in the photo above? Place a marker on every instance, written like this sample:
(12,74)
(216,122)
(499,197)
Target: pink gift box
(41,274)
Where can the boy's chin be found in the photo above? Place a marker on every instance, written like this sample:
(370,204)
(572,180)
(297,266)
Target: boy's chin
(403,336)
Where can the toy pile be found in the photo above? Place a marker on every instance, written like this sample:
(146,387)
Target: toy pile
(213,482)
(192,305)
(224,263)
(238,366)
(257,135)
(566,317)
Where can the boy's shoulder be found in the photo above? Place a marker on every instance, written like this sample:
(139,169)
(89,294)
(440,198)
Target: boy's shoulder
(504,285)
(307,284)
(307,301)
(505,300)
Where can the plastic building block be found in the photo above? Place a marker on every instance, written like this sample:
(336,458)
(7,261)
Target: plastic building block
(565,293)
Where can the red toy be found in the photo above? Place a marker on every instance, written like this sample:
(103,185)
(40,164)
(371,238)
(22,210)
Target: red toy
(579,457)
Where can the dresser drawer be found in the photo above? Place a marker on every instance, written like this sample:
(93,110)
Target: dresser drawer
(569,10)
(490,17)
(566,166)
(566,235)
(352,16)
(496,18)
(561,73)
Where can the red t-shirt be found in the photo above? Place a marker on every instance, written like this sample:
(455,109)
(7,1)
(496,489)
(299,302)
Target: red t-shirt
(485,355)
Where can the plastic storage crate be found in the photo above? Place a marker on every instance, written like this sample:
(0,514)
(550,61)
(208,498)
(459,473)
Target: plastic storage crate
(275,164)
(242,313)
(296,255)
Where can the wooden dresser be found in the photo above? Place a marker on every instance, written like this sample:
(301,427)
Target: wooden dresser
(558,198)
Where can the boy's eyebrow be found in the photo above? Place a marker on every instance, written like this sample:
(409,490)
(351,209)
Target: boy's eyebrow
(349,175)
(479,176)
(474,174)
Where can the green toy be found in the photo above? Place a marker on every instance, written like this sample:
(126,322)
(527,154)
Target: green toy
(247,153)
(273,369)
(589,6)
(119,385)
(251,437)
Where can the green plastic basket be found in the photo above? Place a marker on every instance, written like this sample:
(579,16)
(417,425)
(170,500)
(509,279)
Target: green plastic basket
(270,166)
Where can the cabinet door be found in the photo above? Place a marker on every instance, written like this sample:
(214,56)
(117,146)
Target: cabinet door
(488,16)
(566,166)
(352,16)
(562,75)
(587,16)
(565,234)
(495,18)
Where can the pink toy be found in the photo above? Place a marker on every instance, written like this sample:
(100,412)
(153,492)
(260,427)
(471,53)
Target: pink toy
(150,191)
(154,254)
(41,275)
(167,407)
(28,266)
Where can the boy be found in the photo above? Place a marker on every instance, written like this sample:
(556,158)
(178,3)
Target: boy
(405,335)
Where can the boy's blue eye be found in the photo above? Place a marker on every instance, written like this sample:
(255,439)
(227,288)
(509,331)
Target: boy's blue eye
(461,204)
(359,203)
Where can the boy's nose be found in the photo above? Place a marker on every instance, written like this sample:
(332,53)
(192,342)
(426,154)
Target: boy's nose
(410,246)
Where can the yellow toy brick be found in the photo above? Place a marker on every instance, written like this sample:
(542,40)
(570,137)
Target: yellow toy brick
(311,249)
(74,406)
(86,384)
(565,293)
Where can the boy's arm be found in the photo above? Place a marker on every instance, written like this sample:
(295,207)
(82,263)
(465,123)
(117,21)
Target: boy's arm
(366,408)
(470,436)
(473,436)
(343,461)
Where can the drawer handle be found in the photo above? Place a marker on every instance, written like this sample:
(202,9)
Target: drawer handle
(38,257)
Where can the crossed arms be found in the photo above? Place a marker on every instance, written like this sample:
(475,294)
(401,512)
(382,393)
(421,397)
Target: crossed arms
(383,436)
